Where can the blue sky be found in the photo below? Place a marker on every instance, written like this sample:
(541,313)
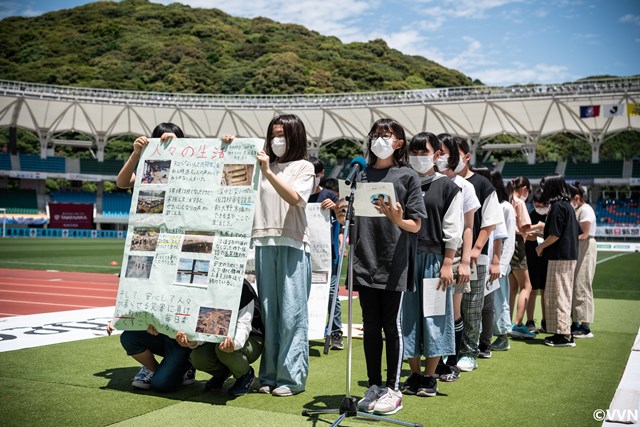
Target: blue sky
(500,42)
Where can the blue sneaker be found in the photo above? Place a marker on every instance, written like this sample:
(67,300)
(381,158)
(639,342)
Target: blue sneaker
(521,331)
(143,379)
(244,384)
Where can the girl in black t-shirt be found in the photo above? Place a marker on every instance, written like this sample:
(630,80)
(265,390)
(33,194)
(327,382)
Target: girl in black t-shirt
(560,246)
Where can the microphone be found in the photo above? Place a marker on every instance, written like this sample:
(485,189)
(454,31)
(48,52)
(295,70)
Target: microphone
(358,164)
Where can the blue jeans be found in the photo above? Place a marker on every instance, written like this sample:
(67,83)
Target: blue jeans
(284,281)
(336,324)
(501,302)
(175,362)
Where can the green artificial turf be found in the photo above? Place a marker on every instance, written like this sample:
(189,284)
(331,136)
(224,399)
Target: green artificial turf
(88,382)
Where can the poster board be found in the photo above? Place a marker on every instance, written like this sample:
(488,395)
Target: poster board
(188,239)
(320,238)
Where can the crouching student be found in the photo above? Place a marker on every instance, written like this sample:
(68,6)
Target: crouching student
(165,376)
(232,356)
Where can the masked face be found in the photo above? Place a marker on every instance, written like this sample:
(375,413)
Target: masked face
(460,166)
(542,210)
(442,162)
(279,146)
(382,148)
(421,164)
(316,181)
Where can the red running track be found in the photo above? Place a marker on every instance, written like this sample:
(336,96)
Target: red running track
(38,291)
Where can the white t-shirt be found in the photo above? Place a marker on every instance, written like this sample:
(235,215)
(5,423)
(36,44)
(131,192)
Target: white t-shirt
(470,201)
(586,214)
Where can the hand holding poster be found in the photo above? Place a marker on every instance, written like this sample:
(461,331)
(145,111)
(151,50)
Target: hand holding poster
(189,231)
(366,195)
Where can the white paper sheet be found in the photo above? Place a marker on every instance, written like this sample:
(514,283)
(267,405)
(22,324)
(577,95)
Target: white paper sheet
(433,300)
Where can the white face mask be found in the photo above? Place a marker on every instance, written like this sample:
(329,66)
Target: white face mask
(316,181)
(542,211)
(421,164)
(442,163)
(279,146)
(460,166)
(382,148)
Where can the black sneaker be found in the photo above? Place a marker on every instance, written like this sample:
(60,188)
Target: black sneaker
(244,384)
(412,384)
(531,326)
(484,351)
(189,376)
(216,383)
(559,340)
(336,341)
(428,386)
(583,332)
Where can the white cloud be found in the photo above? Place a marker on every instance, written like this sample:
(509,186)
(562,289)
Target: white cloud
(522,74)
(630,19)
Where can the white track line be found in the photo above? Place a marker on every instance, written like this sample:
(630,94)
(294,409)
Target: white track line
(46,303)
(611,257)
(113,287)
(56,294)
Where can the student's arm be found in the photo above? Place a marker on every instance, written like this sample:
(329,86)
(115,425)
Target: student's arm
(182,339)
(126,177)
(494,267)
(464,270)
(446,271)
(483,236)
(288,193)
(395,215)
(546,243)
(585,226)
(243,329)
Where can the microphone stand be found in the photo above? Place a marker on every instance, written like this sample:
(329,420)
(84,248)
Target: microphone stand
(348,407)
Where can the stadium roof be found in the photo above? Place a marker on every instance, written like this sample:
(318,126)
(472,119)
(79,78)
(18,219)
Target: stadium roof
(476,113)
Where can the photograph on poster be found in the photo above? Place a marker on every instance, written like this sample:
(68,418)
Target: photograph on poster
(144,238)
(384,198)
(192,271)
(237,175)
(213,321)
(198,242)
(150,202)
(138,267)
(156,171)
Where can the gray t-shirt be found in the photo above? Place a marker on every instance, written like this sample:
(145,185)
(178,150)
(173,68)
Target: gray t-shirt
(384,254)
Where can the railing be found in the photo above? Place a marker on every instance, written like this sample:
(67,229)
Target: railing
(353,99)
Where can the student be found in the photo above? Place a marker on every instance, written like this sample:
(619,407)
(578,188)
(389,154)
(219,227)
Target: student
(519,189)
(283,264)
(503,324)
(328,200)
(494,251)
(165,131)
(484,223)
(583,308)
(232,355)
(536,265)
(383,264)
(448,163)
(560,246)
(438,239)
(143,346)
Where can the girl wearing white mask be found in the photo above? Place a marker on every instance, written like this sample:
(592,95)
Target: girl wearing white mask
(447,163)
(283,264)
(438,239)
(384,257)
(536,265)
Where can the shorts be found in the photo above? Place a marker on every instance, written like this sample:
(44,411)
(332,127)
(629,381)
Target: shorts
(536,265)
(519,259)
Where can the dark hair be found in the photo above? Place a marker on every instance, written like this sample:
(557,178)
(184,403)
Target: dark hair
(519,182)
(420,141)
(332,184)
(577,189)
(554,188)
(498,183)
(537,196)
(295,135)
(400,156)
(482,170)
(166,127)
(318,166)
(454,155)
(462,144)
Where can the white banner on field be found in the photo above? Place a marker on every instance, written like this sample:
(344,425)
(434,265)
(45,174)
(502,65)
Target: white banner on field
(318,302)
(188,237)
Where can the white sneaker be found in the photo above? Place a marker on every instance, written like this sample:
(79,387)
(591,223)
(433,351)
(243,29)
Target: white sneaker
(371,396)
(389,403)
(467,363)
(143,378)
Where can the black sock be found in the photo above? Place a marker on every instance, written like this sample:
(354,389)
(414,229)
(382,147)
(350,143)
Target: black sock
(458,328)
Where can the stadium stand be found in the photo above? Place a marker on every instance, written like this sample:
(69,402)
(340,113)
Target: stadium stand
(116,204)
(537,170)
(604,169)
(73,197)
(33,163)
(618,212)
(108,167)
(5,162)
(19,201)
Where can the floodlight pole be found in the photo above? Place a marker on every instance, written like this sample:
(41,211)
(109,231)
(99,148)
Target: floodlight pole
(348,407)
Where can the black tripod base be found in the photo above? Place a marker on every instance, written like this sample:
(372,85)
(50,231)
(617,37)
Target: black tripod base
(348,408)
